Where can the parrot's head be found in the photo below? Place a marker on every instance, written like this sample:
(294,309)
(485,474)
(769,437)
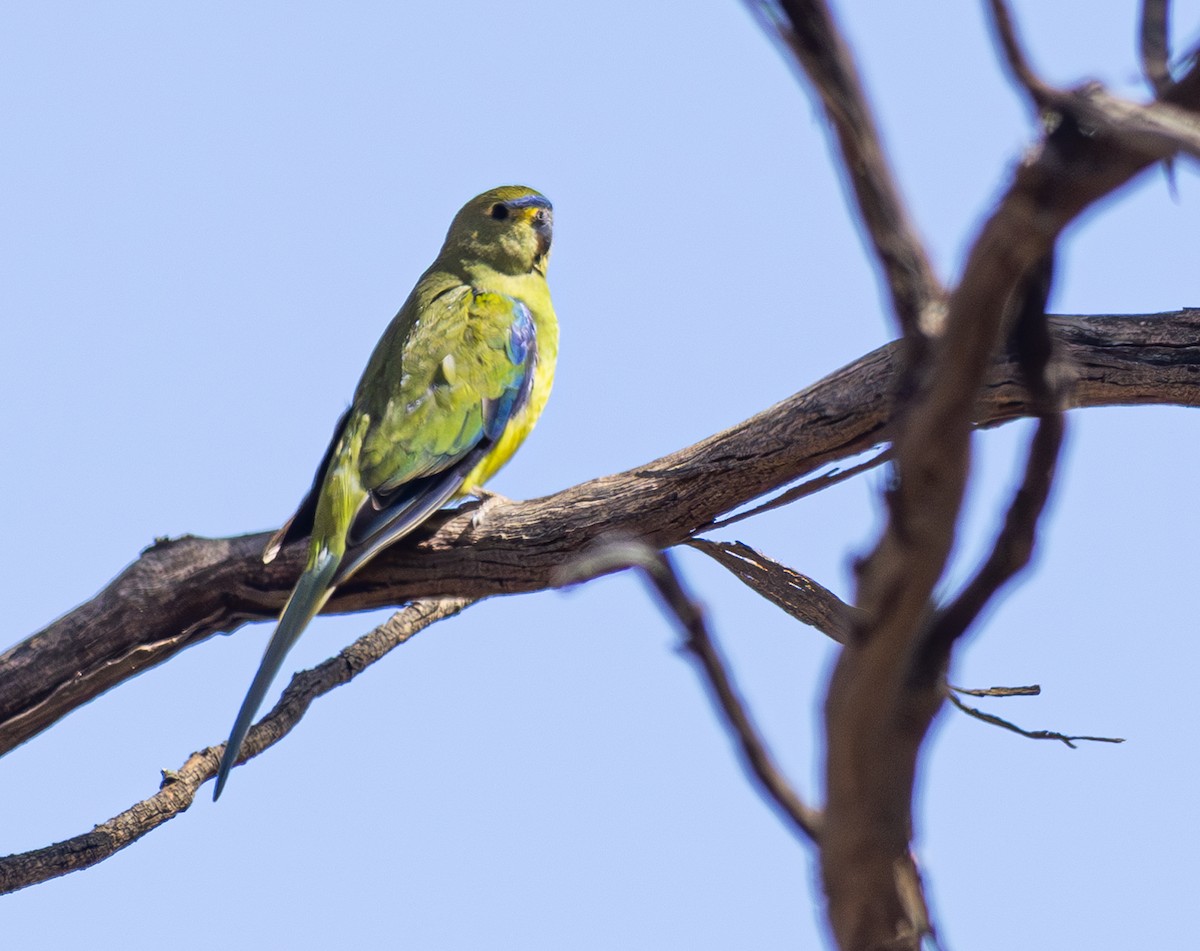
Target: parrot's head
(508,228)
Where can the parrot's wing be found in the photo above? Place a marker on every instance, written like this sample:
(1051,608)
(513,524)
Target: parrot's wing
(468,368)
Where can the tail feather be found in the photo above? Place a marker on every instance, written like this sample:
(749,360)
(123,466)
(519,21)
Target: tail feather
(311,592)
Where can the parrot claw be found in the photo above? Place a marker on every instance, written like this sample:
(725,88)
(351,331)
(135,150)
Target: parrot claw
(488,500)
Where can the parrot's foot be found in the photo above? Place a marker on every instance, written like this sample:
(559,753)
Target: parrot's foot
(488,500)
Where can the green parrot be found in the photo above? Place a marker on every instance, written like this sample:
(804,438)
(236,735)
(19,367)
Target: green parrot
(454,386)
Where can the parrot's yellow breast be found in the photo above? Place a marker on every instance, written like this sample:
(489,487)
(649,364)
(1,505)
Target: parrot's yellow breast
(523,421)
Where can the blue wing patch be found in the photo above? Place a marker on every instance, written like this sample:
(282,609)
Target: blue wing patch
(522,351)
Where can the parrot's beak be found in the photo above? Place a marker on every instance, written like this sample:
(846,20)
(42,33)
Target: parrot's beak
(537,212)
(543,226)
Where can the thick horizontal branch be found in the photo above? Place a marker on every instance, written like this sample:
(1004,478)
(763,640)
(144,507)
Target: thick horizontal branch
(180,592)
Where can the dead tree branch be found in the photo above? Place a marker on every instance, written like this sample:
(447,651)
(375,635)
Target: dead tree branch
(993,720)
(1014,56)
(178,593)
(1015,542)
(1155,45)
(799,595)
(808,32)
(1032,690)
(656,566)
(877,714)
(809,487)
(178,788)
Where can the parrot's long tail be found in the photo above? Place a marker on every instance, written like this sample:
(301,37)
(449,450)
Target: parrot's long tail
(311,592)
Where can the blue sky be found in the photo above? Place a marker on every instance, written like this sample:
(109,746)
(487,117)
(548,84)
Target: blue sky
(207,216)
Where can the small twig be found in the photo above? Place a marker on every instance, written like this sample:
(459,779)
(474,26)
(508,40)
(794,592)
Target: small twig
(809,487)
(178,788)
(807,30)
(1155,45)
(656,566)
(1014,55)
(1031,734)
(1032,690)
(799,595)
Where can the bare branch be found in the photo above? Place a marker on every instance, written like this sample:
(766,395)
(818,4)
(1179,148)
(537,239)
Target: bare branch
(1153,131)
(799,595)
(180,592)
(877,716)
(1033,690)
(1155,45)
(656,566)
(1031,734)
(178,789)
(1014,543)
(805,489)
(1158,129)
(807,29)
(1014,55)
(1011,552)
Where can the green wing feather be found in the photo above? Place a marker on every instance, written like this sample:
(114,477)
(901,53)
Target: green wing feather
(468,367)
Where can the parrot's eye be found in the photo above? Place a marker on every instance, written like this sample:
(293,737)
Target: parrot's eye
(499,211)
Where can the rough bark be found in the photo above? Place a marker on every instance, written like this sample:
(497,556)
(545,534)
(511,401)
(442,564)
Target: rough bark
(180,592)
